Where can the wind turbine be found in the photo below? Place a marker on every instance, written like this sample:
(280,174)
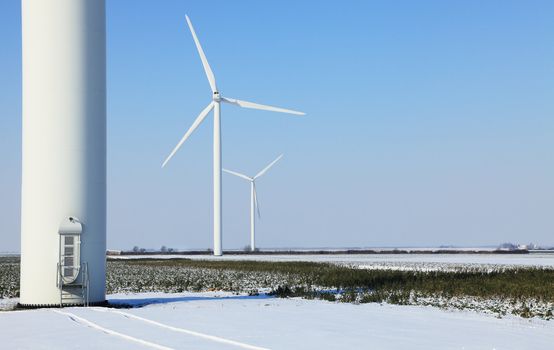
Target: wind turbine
(253,198)
(215,105)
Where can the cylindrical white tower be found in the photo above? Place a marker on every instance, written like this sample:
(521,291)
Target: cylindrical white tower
(64,152)
(252,217)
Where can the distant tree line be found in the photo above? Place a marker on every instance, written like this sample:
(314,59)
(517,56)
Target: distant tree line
(163,249)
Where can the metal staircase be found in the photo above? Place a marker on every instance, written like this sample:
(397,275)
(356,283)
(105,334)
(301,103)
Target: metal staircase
(74,292)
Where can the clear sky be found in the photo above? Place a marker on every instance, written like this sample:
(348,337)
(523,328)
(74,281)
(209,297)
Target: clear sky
(429,122)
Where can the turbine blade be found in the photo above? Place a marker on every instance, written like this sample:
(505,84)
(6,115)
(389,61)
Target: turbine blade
(207,69)
(237,174)
(193,127)
(246,104)
(267,167)
(256,201)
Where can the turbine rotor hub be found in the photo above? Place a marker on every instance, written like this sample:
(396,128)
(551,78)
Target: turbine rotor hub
(216,97)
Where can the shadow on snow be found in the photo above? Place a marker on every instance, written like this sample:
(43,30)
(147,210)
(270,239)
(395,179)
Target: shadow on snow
(126,303)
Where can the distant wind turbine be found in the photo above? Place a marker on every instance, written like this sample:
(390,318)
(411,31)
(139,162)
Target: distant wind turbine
(253,198)
(215,105)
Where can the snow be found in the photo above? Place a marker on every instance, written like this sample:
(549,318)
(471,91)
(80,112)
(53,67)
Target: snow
(216,320)
(427,262)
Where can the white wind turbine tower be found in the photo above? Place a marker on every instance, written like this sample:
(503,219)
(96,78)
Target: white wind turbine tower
(215,105)
(253,198)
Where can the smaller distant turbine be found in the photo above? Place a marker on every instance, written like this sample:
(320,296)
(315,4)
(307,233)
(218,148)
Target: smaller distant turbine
(253,198)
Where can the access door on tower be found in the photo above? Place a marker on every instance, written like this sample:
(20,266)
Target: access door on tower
(70,249)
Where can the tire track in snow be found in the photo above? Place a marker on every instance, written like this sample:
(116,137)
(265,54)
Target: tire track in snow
(88,323)
(182,330)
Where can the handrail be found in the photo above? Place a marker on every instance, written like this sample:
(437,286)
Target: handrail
(82,279)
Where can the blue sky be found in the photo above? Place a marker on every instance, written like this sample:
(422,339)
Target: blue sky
(429,122)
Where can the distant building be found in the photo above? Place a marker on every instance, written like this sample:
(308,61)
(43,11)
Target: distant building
(530,246)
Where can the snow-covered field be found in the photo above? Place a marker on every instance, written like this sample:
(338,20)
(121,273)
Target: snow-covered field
(225,321)
(391,261)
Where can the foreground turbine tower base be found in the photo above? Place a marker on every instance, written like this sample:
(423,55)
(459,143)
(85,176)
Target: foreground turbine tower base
(63,209)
